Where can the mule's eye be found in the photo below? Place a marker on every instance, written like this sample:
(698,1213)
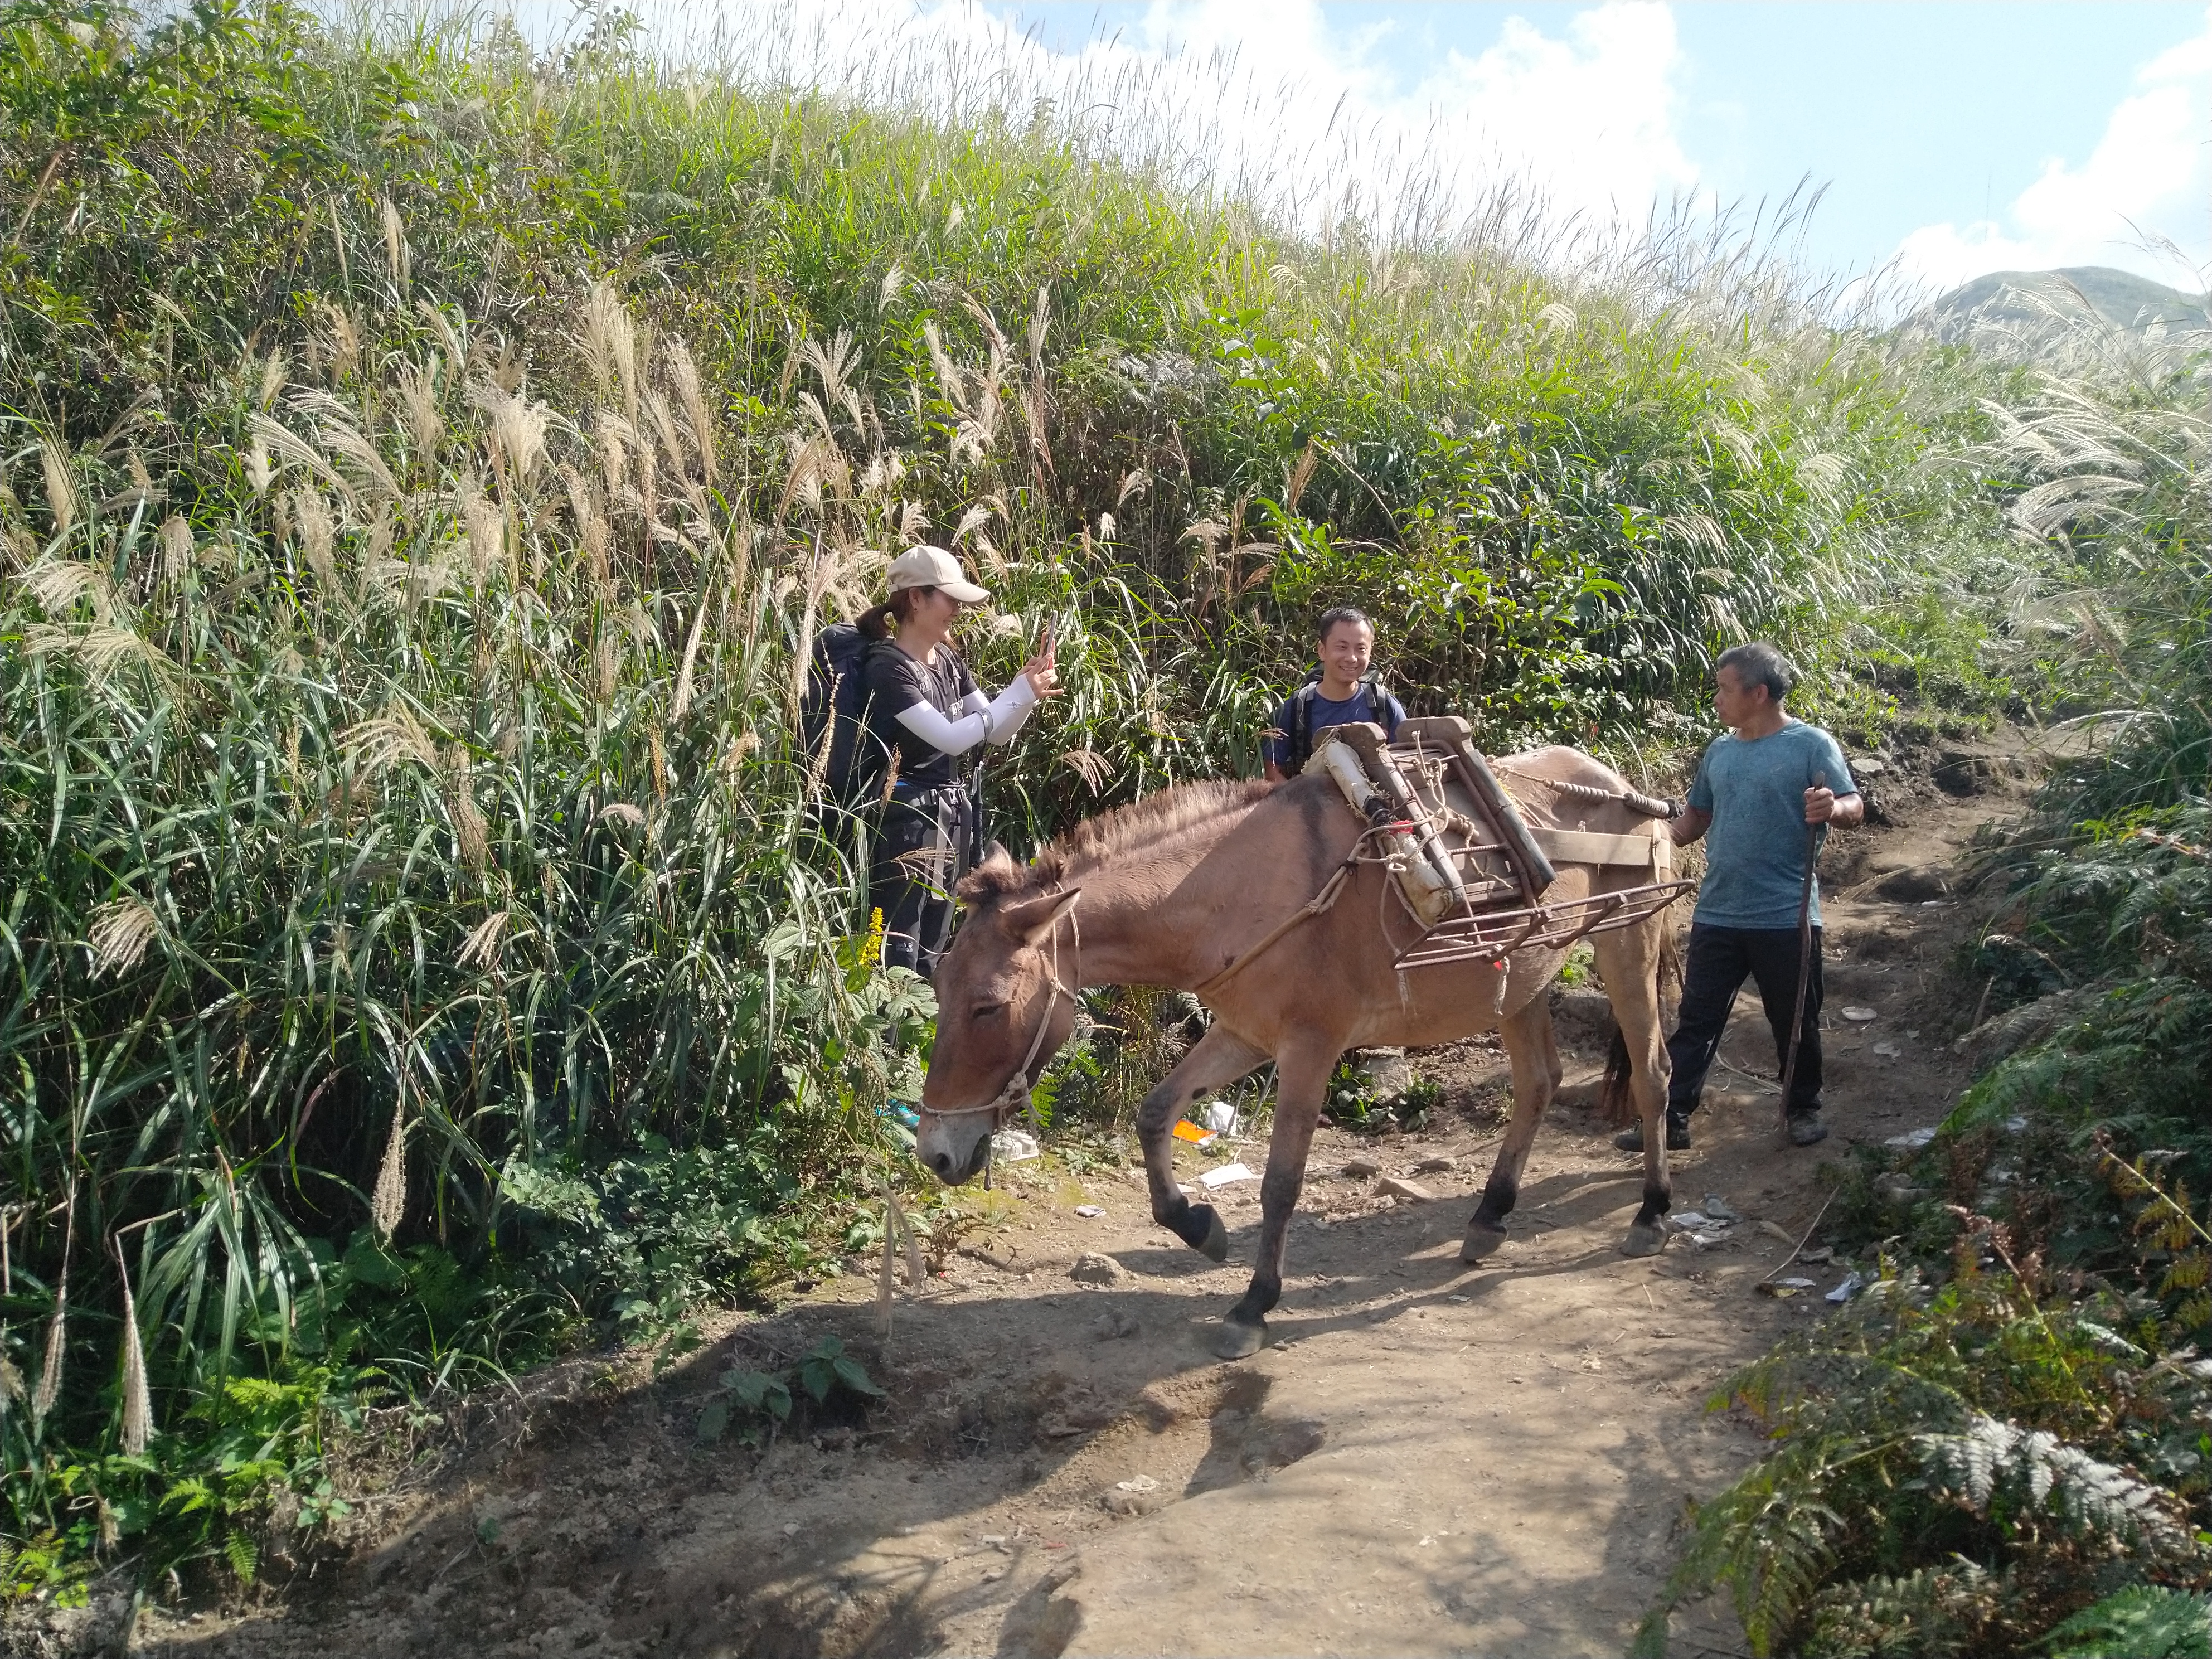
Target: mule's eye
(989,1010)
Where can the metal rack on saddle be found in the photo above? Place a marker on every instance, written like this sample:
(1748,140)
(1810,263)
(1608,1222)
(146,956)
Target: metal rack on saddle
(1472,872)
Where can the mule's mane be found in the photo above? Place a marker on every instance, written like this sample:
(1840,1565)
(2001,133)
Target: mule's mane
(1152,819)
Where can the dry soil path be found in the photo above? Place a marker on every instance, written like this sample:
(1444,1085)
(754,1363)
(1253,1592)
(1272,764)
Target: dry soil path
(1427,1458)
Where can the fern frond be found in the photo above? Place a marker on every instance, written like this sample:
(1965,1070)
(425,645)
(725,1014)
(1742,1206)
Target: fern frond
(2092,1496)
(2143,1621)
(1933,1610)
(1766,1540)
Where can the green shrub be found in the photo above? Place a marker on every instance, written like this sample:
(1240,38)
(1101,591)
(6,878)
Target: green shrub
(1957,1470)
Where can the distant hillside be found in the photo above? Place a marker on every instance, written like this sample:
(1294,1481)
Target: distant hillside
(2121,298)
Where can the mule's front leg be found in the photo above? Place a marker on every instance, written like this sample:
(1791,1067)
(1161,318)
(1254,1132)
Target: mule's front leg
(1217,1058)
(1301,1080)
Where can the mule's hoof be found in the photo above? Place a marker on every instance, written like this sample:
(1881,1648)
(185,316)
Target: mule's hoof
(1482,1240)
(1216,1246)
(1644,1240)
(1237,1340)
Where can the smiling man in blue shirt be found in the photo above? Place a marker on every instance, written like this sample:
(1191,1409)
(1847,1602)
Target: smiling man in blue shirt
(1759,787)
(1343,690)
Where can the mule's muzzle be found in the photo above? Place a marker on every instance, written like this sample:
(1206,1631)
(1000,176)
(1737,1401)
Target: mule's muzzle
(955,1153)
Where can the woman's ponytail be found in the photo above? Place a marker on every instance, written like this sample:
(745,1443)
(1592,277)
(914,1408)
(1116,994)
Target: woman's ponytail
(879,622)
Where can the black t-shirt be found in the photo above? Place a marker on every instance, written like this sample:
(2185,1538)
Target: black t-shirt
(896,684)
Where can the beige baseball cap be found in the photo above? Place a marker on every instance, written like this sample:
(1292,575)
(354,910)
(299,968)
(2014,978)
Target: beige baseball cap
(933,566)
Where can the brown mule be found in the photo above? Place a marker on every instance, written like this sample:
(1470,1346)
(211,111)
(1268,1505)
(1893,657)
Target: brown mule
(1176,889)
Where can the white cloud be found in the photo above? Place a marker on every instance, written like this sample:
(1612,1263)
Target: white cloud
(2149,176)
(1586,119)
(1591,117)
(1265,95)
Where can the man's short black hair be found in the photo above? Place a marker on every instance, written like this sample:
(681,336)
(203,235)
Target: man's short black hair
(1342,613)
(1760,664)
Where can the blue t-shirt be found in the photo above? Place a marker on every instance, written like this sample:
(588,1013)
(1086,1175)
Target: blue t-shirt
(1326,712)
(1755,849)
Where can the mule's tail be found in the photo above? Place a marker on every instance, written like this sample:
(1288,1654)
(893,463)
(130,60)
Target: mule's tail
(1616,1100)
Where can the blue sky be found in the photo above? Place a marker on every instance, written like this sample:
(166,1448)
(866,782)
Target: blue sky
(2033,132)
(1913,114)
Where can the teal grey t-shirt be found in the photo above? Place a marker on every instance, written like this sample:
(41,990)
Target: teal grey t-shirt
(1755,850)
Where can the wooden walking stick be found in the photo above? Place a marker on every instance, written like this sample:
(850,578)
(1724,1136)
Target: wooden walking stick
(1804,955)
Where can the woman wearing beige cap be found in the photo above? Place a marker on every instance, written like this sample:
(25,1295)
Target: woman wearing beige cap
(924,709)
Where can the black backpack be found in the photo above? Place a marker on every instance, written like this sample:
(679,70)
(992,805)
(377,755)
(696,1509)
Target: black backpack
(834,711)
(1298,739)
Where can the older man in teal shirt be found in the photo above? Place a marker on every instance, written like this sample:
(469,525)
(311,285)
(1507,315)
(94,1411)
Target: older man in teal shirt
(1759,787)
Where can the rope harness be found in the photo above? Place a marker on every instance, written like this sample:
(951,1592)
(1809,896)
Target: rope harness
(1445,815)
(1635,800)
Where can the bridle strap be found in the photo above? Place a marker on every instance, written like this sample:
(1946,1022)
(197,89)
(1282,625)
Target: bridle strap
(1016,1090)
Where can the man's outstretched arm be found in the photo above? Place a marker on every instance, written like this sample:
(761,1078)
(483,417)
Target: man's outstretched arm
(1692,825)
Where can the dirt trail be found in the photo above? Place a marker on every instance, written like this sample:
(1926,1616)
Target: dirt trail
(1427,1458)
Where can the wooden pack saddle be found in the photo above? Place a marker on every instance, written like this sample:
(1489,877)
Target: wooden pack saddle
(1476,876)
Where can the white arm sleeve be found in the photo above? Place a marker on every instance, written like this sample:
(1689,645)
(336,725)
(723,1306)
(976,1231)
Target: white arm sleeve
(997,720)
(947,737)
(1011,707)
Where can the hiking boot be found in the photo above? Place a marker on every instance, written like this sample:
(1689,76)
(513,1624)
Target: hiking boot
(1805,1129)
(1630,1139)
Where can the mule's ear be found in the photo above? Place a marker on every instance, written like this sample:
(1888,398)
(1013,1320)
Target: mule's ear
(1030,921)
(995,873)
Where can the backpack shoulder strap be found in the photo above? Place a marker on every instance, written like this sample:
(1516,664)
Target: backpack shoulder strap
(1301,736)
(1378,694)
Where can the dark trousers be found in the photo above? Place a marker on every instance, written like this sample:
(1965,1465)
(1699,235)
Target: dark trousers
(921,850)
(1720,958)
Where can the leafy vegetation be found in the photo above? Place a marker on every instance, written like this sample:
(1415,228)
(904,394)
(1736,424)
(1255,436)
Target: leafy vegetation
(1959,1468)
(764,1398)
(424,462)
